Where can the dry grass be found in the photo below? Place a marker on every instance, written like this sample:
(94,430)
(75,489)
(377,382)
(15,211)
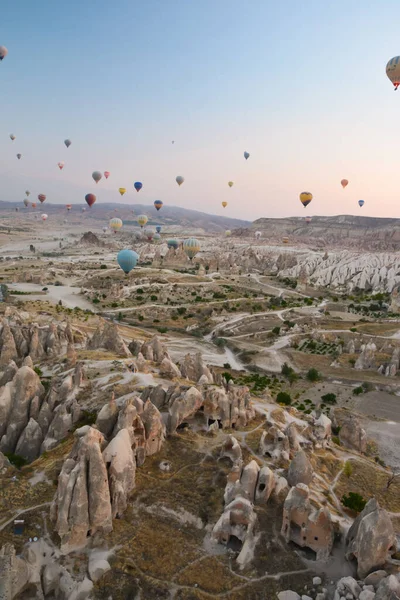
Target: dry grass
(326,464)
(370,481)
(210,575)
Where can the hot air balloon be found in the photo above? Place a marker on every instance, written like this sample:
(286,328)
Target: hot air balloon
(344,182)
(44,217)
(106,174)
(3,52)
(142,220)
(19,156)
(172,244)
(158,204)
(230,183)
(97,176)
(149,233)
(172,142)
(34,205)
(157,237)
(258,235)
(26,202)
(179,180)
(83,209)
(246,155)
(105,229)
(60,165)
(138,186)
(90,199)
(305,198)
(158,228)
(67,143)
(224,204)
(285,240)
(115,224)
(41,198)
(68,207)
(12,137)
(228,233)
(393,71)
(308,219)
(361,203)
(17,210)
(127,260)
(28,193)
(191,247)
(122,191)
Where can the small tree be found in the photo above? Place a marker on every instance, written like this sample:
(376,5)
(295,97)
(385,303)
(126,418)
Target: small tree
(348,468)
(284,398)
(313,375)
(354,502)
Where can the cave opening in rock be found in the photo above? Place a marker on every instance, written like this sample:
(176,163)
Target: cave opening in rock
(234,543)
(261,487)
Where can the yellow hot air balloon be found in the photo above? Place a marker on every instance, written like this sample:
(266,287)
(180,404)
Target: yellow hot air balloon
(230,183)
(115,224)
(142,220)
(224,204)
(305,198)
(285,240)
(122,191)
(344,182)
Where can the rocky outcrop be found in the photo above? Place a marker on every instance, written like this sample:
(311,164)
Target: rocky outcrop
(153,350)
(8,347)
(194,369)
(300,470)
(306,526)
(371,539)
(107,337)
(82,504)
(183,405)
(168,369)
(352,435)
(120,461)
(274,444)
(366,360)
(231,449)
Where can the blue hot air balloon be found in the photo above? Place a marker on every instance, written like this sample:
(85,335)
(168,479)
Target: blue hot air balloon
(158,228)
(127,260)
(158,204)
(361,202)
(138,186)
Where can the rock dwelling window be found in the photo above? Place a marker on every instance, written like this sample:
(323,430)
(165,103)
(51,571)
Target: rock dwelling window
(261,487)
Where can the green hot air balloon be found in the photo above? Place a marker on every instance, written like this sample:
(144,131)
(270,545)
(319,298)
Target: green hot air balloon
(191,247)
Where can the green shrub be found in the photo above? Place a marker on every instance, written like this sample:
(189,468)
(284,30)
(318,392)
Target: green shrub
(358,390)
(227,366)
(336,440)
(353,329)
(141,317)
(162,329)
(16,460)
(313,375)
(284,398)
(153,298)
(276,330)
(354,502)
(329,398)
(38,371)
(139,291)
(348,468)
(181,310)
(367,386)
(103,266)
(95,300)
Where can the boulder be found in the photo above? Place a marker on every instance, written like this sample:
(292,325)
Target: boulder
(388,589)
(97,567)
(8,373)
(168,369)
(371,539)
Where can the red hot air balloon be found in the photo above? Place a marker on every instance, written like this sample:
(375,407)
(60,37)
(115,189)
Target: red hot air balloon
(90,199)
(41,198)
(106,174)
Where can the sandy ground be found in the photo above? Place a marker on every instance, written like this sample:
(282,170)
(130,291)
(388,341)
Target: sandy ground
(69,295)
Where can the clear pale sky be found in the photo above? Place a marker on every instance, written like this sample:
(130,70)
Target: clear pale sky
(299,85)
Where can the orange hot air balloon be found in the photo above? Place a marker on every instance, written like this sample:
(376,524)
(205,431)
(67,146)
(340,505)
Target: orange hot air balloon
(68,207)
(344,182)
(34,205)
(224,204)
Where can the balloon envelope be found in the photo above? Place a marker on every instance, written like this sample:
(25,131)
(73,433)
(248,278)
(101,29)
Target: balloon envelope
(158,228)
(26,202)
(246,155)
(157,237)
(191,247)
(308,219)
(172,244)
(90,199)
(180,179)
(138,186)
(60,165)
(344,182)
(19,156)
(127,260)
(41,198)
(230,183)
(361,202)
(115,224)
(27,193)
(142,220)
(393,71)
(228,233)
(3,52)
(158,204)
(34,204)
(305,198)
(67,143)
(44,217)
(149,233)
(106,174)
(258,234)
(68,206)
(96,176)
(122,191)
(12,137)
(224,204)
